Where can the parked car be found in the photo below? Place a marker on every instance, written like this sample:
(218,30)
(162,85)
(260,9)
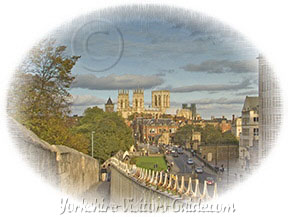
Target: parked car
(190,161)
(198,170)
(210,181)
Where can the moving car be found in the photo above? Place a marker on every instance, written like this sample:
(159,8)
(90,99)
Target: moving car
(198,170)
(180,151)
(190,161)
(210,181)
(175,154)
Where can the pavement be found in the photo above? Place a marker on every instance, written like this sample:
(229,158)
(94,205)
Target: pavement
(99,191)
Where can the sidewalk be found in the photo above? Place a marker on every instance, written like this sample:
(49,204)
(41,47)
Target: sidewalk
(235,174)
(175,169)
(100,191)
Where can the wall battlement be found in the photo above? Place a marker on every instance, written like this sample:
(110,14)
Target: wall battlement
(65,168)
(129,181)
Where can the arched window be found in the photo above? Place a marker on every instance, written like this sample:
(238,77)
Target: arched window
(167,101)
(159,100)
(121,103)
(155,100)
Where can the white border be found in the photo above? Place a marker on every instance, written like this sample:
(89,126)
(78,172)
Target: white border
(24,22)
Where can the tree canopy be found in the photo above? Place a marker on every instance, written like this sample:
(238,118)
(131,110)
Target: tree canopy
(111,132)
(42,82)
(39,96)
(209,135)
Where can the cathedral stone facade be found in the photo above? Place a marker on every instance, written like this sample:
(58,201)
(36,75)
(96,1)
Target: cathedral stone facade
(160,103)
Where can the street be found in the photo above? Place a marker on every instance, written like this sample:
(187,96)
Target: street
(183,169)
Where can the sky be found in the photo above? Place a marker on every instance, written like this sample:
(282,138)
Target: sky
(198,59)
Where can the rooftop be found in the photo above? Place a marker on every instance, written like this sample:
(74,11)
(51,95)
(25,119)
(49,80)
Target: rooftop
(251,103)
(109,102)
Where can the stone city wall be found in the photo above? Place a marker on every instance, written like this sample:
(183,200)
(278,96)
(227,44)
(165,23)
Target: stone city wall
(124,190)
(69,170)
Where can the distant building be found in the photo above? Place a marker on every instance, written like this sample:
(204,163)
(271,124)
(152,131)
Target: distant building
(188,112)
(196,140)
(138,101)
(123,106)
(185,113)
(249,138)
(160,103)
(109,106)
(161,99)
(154,130)
(236,127)
(223,123)
(270,107)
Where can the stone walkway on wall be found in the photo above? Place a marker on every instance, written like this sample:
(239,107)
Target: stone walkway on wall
(100,191)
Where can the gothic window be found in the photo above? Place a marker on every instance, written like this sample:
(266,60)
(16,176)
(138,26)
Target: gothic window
(159,100)
(155,100)
(167,99)
(256,131)
(121,106)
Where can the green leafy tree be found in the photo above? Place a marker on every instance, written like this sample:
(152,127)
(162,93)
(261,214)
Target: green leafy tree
(229,138)
(111,132)
(50,75)
(184,134)
(209,135)
(39,96)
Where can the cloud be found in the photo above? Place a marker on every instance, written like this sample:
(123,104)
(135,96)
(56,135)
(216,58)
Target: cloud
(86,100)
(167,70)
(115,82)
(247,93)
(222,101)
(216,107)
(245,84)
(161,74)
(223,66)
(209,101)
(217,110)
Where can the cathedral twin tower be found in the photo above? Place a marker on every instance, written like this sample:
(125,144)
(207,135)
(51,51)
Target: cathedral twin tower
(160,102)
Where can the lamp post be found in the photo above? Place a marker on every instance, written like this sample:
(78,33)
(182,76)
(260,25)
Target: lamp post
(92,143)
(228,159)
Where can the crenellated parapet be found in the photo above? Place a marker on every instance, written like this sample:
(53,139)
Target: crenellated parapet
(167,183)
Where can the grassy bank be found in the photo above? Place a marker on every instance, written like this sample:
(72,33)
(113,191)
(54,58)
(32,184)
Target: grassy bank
(149,162)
